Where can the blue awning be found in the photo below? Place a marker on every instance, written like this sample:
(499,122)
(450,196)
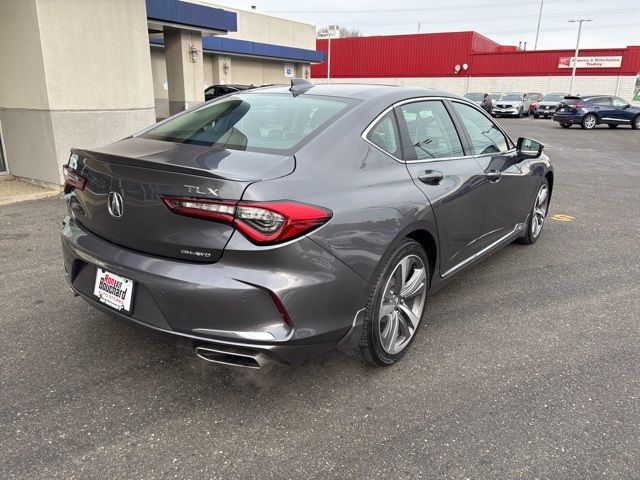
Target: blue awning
(191,15)
(233,46)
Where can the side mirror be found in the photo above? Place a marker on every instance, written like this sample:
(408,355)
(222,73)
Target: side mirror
(528,148)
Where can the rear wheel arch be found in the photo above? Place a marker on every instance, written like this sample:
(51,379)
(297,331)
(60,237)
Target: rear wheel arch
(549,177)
(428,242)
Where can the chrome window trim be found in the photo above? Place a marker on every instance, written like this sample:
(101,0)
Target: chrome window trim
(493,154)
(375,121)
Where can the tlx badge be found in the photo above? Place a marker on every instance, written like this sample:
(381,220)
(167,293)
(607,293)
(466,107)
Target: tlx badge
(203,190)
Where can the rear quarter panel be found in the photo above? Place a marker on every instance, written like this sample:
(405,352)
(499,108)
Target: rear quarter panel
(372,197)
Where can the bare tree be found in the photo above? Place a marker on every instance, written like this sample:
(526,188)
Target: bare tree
(342,32)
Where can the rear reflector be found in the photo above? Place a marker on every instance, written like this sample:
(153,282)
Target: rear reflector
(73,178)
(283,311)
(263,223)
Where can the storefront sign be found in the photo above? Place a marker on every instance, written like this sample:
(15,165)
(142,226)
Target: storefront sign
(289,70)
(591,62)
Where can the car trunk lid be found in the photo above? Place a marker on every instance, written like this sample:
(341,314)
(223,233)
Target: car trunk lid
(139,171)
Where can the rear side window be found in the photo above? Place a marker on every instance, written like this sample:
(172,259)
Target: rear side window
(601,101)
(258,122)
(384,135)
(485,136)
(431,131)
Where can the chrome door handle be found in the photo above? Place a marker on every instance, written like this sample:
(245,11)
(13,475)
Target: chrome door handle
(431,177)
(493,175)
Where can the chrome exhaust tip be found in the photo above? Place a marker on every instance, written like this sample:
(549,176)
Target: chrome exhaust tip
(232,356)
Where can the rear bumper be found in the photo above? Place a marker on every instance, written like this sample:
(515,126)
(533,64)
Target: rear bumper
(228,303)
(567,118)
(545,112)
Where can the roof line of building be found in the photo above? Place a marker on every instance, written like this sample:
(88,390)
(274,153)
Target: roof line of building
(232,46)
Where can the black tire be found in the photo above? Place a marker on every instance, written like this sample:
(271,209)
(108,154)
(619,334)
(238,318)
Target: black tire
(536,115)
(370,349)
(529,237)
(613,125)
(589,122)
(565,125)
(635,123)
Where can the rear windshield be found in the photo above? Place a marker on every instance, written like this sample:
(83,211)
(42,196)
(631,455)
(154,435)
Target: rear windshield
(553,98)
(258,122)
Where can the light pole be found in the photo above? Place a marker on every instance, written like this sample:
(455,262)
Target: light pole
(535,45)
(329,58)
(579,21)
(330,31)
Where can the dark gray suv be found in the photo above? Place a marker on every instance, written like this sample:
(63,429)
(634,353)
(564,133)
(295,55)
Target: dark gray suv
(282,223)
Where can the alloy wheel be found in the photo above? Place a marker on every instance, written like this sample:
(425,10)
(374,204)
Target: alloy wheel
(540,211)
(590,122)
(402,304)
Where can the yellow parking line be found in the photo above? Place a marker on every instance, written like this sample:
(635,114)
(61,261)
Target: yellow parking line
(562,218)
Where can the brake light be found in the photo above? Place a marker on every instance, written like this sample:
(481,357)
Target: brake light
(73,178)
(263,223)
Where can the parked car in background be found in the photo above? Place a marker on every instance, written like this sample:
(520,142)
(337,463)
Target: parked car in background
(475,97)
(547,107)
(588,111)
(534,98)
(249,226)
(494,97)
(512,104)
(215,91)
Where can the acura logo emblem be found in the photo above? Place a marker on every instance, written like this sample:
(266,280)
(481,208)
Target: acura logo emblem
(115,204)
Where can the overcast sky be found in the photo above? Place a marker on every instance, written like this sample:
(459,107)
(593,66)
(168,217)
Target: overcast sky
(616,23)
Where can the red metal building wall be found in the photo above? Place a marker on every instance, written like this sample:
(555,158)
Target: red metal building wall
(395,55)
(436,54)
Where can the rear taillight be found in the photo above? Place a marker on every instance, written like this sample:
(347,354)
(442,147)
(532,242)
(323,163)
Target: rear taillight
(263,223)
(73,178)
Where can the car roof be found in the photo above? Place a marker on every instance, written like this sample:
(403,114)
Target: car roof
(360,91)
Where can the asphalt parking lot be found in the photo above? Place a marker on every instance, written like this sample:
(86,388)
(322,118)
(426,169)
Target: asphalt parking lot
(527,368)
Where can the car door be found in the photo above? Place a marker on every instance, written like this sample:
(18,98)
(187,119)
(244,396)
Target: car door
(510,182)
(620,110)
(603,107)
(451,180)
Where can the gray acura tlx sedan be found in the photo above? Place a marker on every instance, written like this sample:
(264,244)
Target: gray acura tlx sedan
(280,223)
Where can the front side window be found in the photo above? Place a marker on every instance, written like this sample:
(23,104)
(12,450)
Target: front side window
(485,135)
(257,122)
(384,135)
(431,131)
(619,103)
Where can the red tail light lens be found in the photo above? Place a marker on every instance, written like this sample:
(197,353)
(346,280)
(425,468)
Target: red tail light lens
(73,178)
(263,223)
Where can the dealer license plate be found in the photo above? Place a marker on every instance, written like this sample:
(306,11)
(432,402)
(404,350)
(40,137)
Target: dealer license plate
(113,290)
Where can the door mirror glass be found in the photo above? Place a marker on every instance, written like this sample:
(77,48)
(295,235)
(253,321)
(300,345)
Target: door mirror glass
(528,148)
